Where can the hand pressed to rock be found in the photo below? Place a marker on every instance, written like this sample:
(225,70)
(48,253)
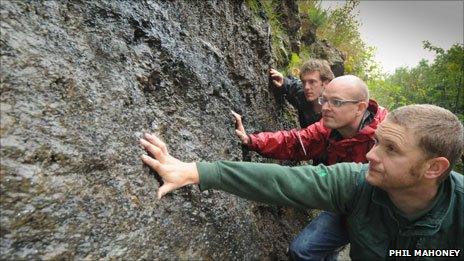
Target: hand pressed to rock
(175,173)
(277,78)
(239,129)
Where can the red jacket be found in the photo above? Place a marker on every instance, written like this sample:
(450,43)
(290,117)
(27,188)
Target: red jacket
(322,145)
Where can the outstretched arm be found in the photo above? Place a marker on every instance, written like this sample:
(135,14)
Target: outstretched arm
(175,173)
(295,144)
(322,187)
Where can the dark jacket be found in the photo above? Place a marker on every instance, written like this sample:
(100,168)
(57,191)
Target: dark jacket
(293,92)
(321,144)
(375,226)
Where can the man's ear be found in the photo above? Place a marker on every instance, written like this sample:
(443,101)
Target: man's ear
(362,107)
(436,167)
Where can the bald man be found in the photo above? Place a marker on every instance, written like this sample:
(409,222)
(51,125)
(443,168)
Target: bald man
(344,134)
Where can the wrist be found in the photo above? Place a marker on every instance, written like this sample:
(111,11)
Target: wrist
(192,174)
(248,140)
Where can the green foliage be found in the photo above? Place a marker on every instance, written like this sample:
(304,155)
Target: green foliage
(342,31)
(386,93)
(267,8)
(339,27)
(297,60)
(278,33)
(317,16)
(342,26)
(294,64)
(253,5)
(439,83)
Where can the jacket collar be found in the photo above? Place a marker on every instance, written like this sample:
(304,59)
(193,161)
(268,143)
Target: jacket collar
(431,222)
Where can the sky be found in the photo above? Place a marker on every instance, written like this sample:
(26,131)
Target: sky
(397,28)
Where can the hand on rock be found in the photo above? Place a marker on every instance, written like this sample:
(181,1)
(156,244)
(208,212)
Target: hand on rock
(240,130)
(277,78)
(175,173)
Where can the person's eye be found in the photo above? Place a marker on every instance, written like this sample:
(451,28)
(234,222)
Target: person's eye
(337,103)
(390,148)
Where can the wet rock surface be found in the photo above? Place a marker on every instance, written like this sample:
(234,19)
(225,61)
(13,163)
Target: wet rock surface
(82,80)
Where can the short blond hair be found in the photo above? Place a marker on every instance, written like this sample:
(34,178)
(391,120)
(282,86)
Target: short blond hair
(439,131)
(317,65)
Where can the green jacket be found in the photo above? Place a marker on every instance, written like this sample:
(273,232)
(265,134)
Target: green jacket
(374,223)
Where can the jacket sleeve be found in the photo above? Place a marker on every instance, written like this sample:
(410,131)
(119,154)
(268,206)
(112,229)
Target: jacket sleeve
(329,188)
(288,145)
(290,89)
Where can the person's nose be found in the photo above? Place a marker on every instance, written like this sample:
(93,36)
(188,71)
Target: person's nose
(307,85)
(371,156)
(325,106)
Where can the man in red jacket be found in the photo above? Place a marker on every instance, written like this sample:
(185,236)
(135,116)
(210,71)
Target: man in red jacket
(344,134)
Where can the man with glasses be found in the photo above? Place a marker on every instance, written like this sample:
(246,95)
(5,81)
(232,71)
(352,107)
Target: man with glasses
(344,134)
(315,74)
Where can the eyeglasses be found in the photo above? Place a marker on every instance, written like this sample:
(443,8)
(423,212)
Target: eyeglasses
(335,102)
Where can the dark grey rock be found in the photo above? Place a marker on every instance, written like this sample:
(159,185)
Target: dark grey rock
(82,80)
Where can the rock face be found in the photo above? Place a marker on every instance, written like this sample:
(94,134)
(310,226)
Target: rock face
(82,80)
